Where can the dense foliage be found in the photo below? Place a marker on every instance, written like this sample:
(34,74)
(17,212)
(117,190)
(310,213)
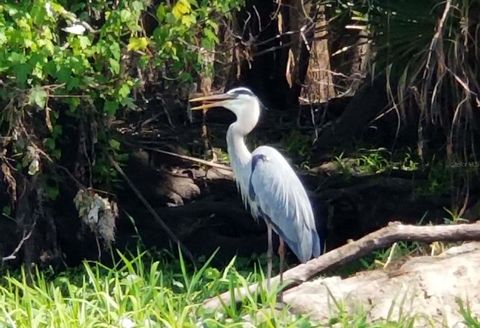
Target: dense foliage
(429,52)
(83,61)
(69,69)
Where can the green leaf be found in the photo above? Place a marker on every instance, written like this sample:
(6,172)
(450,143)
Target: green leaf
(63,74)
(137,5)
(110,107)
(161,12)
(16,58)
(52,192)
(38,96)
(125,15)
(12,11)
(47,45)
(128,102)
(73,103)
(137,44)
(211,35)
(114,66)
(49,143)
(124,91)
(181,8)
(3,38)
(57,130)
(84,41)
(115,50)
(7,210)
(73,83)
(210,39)
(56,153)
(188,20)
(21,73)
(212,274)
(114,144)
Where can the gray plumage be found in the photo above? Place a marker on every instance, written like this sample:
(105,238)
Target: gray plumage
(281,199)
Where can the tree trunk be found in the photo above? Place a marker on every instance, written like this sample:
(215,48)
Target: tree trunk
(318,84)
(36,229)
(308,68)
(26,219)
(360,58)
(372,99)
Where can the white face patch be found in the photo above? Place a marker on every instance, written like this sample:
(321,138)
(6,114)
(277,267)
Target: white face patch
(242,105)
(241,91)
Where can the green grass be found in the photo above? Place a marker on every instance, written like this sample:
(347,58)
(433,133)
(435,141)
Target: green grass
(139,291)
(148,290)
(374,161)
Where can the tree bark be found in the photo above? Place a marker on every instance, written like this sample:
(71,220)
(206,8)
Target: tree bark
(26,217)
(318,85)
(308,68)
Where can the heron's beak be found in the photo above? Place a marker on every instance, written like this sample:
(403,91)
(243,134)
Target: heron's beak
(211,101)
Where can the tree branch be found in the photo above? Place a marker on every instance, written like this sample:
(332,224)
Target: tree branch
(381,238)
(190,158)
(25,237)
(149,207)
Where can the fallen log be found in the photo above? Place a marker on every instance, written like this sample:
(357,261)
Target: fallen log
(425,291)
(381,238)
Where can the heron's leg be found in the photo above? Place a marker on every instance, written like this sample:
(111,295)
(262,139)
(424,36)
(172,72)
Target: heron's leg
(281,254)
(269,254)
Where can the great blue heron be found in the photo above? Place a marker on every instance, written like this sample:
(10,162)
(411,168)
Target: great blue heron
(268,185)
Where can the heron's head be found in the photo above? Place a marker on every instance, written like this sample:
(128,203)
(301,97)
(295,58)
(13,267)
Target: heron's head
(241,101)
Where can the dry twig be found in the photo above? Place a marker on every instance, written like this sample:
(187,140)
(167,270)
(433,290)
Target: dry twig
(189,158)
(25,237)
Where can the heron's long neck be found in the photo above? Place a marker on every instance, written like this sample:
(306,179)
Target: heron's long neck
(237,149)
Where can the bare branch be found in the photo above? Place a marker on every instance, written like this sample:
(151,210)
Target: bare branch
(25,237)
(149,207)
(190,158)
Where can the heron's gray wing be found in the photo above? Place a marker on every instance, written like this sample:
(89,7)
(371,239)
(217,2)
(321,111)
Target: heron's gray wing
(282,199)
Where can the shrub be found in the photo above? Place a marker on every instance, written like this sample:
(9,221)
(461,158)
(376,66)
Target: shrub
(68,69)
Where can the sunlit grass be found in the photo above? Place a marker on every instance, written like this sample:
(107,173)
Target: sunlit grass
(138,291)
(151,290)
(374,161)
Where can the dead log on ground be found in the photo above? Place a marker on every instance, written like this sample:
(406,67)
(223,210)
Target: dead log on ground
(425,291)
(384,237)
